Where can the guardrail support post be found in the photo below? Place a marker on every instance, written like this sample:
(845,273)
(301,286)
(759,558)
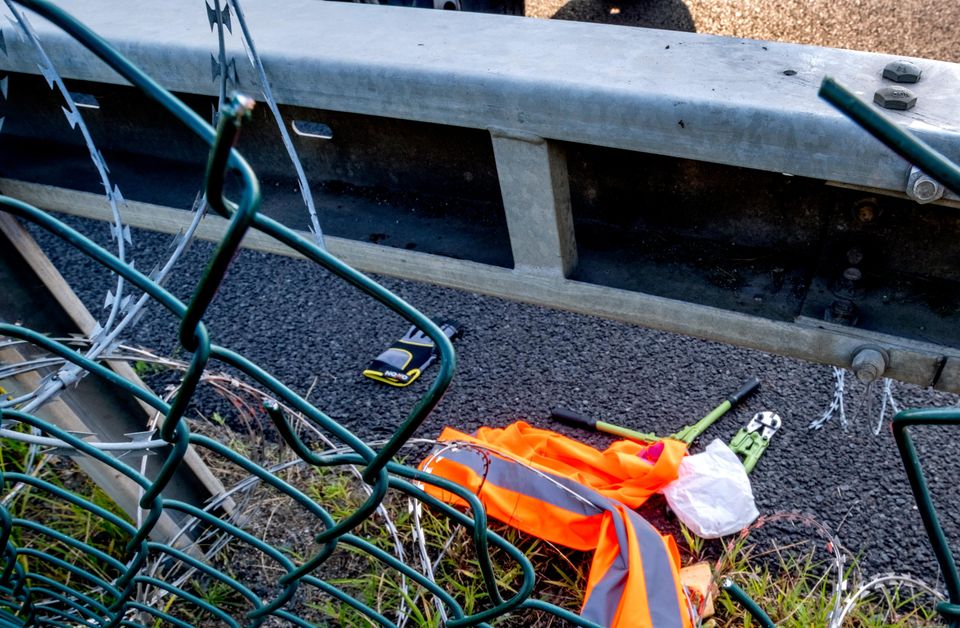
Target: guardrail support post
(536,199)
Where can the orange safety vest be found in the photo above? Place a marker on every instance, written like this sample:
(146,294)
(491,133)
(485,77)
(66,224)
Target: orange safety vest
(569,493)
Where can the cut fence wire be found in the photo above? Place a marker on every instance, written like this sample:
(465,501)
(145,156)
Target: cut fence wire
(143,579)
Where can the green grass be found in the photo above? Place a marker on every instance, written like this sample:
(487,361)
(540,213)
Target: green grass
(561,580)
(146,369)
(787,581)
(37,504)
(793,582)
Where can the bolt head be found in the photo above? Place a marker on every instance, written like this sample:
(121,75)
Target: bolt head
(852,274)
(922,188)
(866,210)
(868,365)
(902,72)
(898,98)
(842,312)
(925,189)
(868,373)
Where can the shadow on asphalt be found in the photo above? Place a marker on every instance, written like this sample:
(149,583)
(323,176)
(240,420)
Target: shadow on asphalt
(664,14)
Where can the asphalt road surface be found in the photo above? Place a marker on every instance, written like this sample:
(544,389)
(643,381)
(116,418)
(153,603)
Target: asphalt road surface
(518,361)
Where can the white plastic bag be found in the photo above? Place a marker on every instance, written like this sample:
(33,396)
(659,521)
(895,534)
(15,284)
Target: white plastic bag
(712,495)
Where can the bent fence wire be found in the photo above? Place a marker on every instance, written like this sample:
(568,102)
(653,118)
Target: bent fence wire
(128,588)
(114,595)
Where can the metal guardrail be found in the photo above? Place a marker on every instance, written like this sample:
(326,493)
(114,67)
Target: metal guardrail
(29,598)
(684,95)
(742,102)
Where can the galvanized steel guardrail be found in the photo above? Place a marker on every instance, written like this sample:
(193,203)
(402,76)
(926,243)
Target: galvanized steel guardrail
(532,84)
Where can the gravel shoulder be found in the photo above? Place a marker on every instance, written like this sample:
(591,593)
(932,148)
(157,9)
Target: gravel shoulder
(916,28)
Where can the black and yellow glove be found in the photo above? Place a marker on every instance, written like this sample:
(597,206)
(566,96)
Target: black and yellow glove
(401,364)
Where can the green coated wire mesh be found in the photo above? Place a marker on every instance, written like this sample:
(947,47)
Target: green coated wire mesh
(129,575)
(124,575)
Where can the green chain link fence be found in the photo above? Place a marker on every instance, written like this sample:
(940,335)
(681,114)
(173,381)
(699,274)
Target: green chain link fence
(28,597)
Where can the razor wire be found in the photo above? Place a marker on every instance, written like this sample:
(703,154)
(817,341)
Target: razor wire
(837,406)
(28,597)
(107,333)
(114,300)
(886,396)
(838,575)
(222,70)
(838,558)
(104,334)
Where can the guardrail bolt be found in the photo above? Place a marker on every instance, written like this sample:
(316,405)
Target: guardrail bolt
(848,286)
(899,98)
(842,312)
(866,209)
(922,188)
(869,363)
(854,256)
(902,72)
(853,275)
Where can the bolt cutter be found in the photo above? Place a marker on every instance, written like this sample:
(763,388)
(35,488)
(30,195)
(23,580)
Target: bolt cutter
(751,441)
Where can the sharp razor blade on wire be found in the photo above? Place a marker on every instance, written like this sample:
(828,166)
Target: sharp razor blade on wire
(221,16)
(836,407)
(140,443)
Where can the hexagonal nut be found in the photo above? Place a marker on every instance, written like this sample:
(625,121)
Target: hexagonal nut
(899,98)
(902,72)
(869,363)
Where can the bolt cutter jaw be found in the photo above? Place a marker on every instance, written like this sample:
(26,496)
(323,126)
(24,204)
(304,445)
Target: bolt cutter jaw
(768,422)
(751,441)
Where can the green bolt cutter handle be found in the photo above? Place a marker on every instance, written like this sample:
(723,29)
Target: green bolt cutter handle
(691,432)
(751,441)
(686,434)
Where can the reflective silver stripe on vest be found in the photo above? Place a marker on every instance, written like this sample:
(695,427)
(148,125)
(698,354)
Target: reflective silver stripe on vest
(662,598)
(601,606)
(522,479)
